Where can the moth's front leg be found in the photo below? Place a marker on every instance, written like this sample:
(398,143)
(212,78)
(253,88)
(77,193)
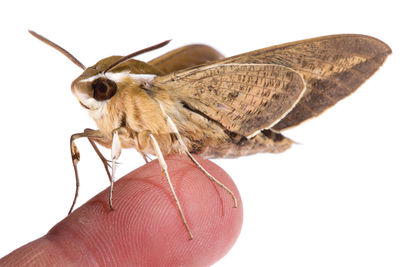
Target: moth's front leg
(75,155)
(95,135)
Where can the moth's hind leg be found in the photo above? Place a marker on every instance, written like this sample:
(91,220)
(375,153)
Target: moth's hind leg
(212,178)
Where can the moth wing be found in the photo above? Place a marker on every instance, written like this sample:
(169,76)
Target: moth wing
(185,57)
(332,66)
(243,98)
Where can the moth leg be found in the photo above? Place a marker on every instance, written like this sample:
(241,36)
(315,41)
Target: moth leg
(75,156)
(212,178)
(164,170)
(145,157)
(115,153)
(142,143)
(105,161)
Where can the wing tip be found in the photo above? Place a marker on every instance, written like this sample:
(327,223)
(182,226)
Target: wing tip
(383,48)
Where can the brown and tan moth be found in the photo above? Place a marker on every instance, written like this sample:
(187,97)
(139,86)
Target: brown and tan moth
(192,100)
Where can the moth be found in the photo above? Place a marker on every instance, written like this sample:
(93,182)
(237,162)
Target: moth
(192,100)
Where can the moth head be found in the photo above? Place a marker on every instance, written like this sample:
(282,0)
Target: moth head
(94,86)
(100,82)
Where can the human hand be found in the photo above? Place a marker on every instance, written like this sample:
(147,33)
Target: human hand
(146,228)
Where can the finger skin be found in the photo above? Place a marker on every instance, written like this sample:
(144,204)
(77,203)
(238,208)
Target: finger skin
(145,229)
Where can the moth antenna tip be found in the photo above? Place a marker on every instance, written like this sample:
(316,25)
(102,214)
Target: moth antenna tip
(32,32)
(58,48)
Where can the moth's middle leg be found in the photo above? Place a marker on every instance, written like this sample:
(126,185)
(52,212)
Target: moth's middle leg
(164,169)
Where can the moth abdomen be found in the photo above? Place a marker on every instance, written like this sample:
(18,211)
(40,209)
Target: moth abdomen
(266,141)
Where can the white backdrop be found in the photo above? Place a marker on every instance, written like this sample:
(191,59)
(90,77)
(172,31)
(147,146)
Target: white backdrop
(332,200)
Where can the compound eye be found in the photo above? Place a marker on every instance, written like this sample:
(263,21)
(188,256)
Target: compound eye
(103,89)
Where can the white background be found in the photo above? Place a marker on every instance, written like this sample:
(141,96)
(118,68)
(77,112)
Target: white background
(333,200)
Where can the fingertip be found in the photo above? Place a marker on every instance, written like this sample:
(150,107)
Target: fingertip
(146,226)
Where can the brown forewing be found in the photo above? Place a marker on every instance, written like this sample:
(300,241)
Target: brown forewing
(243,98)
(332,66)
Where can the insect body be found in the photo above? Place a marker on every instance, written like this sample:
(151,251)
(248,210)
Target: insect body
(194,101)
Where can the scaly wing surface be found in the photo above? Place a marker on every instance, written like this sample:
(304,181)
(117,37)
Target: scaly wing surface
(243,98)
